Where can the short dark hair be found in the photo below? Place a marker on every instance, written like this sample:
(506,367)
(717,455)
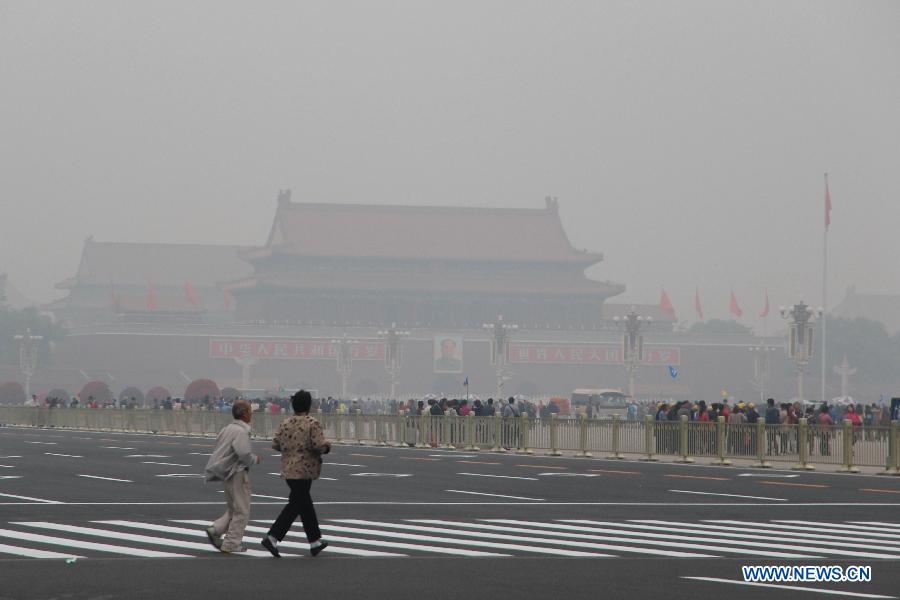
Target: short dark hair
(301,401)
(240,408)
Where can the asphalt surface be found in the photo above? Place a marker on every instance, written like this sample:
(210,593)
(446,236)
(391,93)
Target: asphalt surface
(430,523)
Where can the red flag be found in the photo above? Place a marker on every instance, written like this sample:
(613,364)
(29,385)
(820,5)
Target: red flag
(227,300)
(665,305)
(765,312)
(734,308)
(114,299)
(827,204)
(151,297)
(190,293)
(697,306)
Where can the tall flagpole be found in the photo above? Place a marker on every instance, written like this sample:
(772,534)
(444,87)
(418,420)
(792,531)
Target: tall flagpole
(825,280)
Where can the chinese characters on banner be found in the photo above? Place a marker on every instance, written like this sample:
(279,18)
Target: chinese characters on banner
(291,349)
(599,354)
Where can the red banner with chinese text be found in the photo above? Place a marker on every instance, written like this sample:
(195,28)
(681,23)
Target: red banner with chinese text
(600,354)
(291,349)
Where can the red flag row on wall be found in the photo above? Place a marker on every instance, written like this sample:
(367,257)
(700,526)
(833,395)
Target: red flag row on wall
(667,308)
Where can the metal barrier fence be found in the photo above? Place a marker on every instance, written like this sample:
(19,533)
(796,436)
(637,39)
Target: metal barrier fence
(799,446)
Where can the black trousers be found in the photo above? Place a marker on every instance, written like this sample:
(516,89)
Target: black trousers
(299,504)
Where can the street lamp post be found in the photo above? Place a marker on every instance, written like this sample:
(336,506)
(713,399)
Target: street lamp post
(800,318)
(28,357)
(393,355)
(632,343)
(344,357)
(761,369)
(500,333)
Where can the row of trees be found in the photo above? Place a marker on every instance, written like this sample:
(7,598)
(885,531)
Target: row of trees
(199,390)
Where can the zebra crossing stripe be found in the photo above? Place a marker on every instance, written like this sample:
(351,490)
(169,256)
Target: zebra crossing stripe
(460,539)
(387,544)
(878,523)
(756,530)
(31,553)
(332,549)
(659,539)
(164,541)
(553,537)
(852,531)
(725,538)
(58,541)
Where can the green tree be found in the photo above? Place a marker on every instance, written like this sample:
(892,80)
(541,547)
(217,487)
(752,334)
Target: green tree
(16,322)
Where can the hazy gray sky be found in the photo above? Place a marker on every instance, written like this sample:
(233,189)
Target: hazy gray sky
(685,140)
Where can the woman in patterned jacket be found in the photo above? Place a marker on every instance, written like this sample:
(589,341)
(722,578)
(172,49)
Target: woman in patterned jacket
(302,443)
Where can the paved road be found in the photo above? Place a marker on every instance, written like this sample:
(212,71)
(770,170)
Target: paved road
(427,522)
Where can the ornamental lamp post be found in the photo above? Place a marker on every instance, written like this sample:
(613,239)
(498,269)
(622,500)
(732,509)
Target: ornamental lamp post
(393,355)
(344,358)
(800,318)
(632,343)
(28,357)
(500,333)
(761,369)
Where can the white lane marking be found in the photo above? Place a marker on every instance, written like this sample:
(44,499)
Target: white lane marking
(788,587)
(331,548)
(65,455)
(345,465)
(10,477)
(7,467)
(829,531)
(44,443)
(725,538)
(385,543)
(10,457)
(852,530)
(879,523)
(758,531)
(262,496)
(457,537)
(30,498)
(729,495)
(716,506)
(568,474)
(106,478)
(556,537)
(767,475)
(116,448)
(147,456)
(495,495)
(200,453)
(182,475)
(57,541)
(150,462)
(327,478)
(380,474)
(453,455)
(30,553)
(132,537)
(499,476)
(613,534)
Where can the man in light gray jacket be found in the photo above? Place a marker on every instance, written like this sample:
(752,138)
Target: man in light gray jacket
(230,463)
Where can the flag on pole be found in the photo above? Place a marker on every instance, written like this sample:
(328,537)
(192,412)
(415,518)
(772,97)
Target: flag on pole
(190,293)
(466,382)
(765,312)
(151,297)
(734,308)
(114,298)
(827,204)
(697,306)
(673,371)
(665,305)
